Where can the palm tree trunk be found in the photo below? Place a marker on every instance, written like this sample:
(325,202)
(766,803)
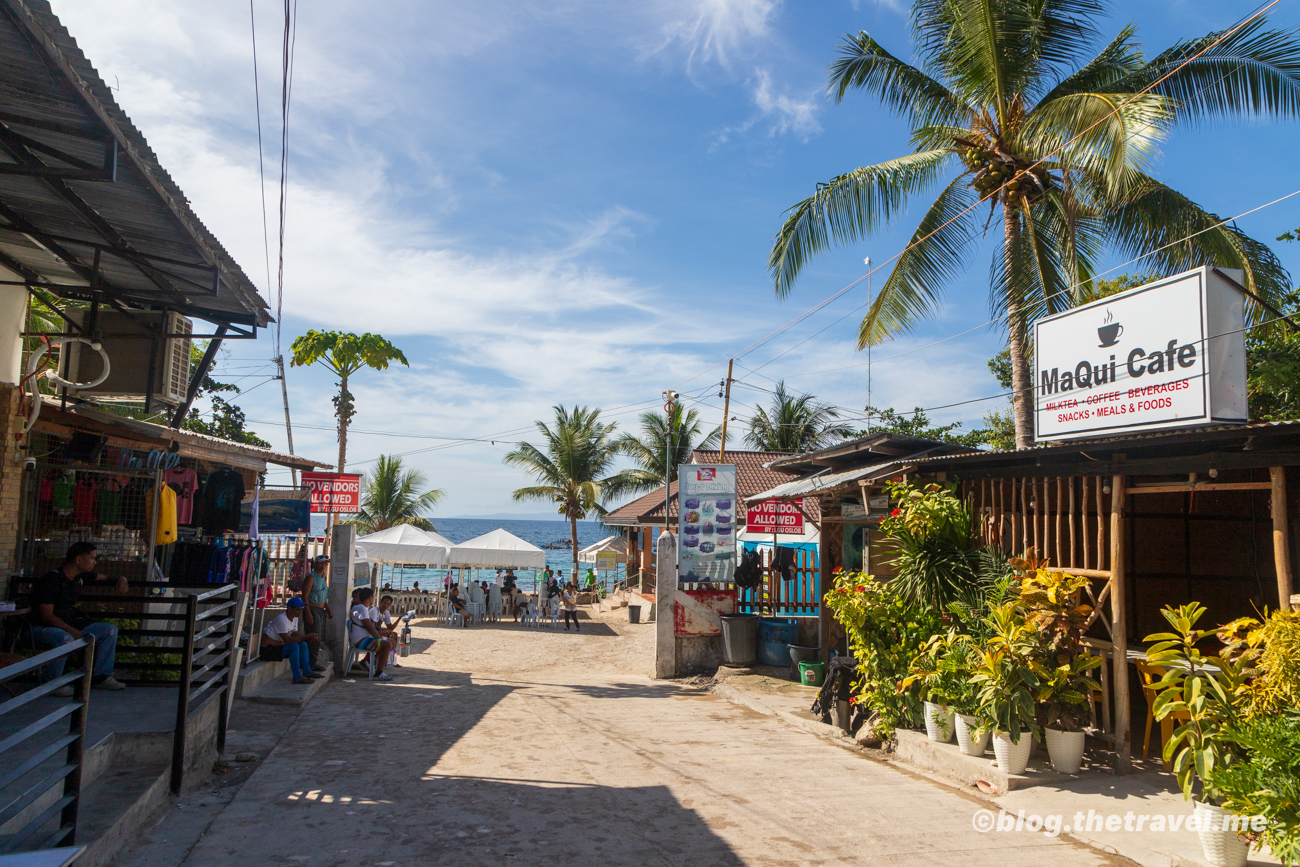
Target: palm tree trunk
(573,544)
(343,421)
(1022,396)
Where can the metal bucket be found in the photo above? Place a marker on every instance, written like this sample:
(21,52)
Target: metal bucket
(739,638)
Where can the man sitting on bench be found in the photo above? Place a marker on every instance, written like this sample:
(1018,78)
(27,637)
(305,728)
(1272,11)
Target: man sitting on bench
(56,620)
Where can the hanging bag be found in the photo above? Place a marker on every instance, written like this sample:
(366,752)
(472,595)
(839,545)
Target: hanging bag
(298,572)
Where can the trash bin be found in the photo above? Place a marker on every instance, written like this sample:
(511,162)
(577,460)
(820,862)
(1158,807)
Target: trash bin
(739,638)
(810,673)
(775,635)
(800,653)
(634,614)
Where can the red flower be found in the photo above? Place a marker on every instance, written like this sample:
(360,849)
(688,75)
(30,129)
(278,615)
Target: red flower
(895,513)
(860,588)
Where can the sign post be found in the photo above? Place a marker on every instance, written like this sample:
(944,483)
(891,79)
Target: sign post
(334,493)
(706,522)
(1168,354)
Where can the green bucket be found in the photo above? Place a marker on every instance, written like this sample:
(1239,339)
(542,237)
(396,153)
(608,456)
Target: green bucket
(810,673)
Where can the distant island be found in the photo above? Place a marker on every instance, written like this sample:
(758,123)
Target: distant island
(506,516)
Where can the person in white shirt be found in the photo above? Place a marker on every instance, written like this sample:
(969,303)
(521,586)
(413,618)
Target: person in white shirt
(384,623)
(364,636)
(281,639)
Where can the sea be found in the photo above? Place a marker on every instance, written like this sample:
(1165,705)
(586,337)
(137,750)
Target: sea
(539,533)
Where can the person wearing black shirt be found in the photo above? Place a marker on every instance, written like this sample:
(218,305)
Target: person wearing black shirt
(56,620)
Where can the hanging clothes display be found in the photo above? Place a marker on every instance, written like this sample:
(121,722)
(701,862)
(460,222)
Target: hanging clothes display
(62,493)
(223,493)
(165,533)
(84,495)
(185,482)
(109,506)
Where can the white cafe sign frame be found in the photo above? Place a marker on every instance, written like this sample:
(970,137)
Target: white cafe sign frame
(1168,354)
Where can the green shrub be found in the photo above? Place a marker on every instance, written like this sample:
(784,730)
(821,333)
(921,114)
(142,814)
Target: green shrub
(933,530)
(886,632)
(1267,783)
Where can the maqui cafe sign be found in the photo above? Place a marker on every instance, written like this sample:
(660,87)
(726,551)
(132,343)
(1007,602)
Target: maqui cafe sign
(1168,354)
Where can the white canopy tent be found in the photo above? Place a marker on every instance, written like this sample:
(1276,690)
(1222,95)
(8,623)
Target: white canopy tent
(498,550)
(407,544)
(616,544)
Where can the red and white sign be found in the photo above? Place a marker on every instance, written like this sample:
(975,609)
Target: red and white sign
(334,492)
(782,517)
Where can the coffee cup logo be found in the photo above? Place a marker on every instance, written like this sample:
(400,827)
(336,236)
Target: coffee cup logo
(1110,331)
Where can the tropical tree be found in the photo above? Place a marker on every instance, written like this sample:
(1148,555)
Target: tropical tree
(344,354)
(795,423)
(393,495)
(680,432)
(573,467)
(1017,107)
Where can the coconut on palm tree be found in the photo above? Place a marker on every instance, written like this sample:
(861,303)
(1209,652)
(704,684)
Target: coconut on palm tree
(1018,108)
(392,495)
(795,423)
(573,467)
(665,443)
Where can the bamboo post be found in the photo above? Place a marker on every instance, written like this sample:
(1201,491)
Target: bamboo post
(1101,527)
(999,509)
(1281,538)
(1036,501)
(1024,514)
(1084,524)
(1060,507)
(1073,548)
(1119,625)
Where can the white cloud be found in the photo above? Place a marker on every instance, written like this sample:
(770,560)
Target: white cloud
(714,30)
(786,113)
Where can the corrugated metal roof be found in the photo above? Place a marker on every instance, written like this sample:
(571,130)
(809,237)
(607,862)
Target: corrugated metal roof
(60,129)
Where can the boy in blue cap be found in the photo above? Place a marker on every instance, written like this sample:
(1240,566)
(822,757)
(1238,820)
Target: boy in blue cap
(282,640)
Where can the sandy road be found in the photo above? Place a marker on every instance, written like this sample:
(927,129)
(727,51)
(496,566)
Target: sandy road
(499,745)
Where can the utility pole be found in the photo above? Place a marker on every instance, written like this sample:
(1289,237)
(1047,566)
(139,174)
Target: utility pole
(726,413)
(867,262)
(288,428)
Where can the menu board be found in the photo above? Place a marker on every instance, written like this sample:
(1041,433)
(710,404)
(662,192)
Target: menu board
(706,523)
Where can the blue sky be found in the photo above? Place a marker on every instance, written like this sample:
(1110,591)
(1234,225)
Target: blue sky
(572,202)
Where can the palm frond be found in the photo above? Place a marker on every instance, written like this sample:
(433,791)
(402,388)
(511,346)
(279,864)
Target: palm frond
(848,208)
(1156,215)
(864,64)
(1119,59)
(1254,70)
(925,267)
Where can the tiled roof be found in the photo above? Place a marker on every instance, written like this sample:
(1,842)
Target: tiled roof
(752,476)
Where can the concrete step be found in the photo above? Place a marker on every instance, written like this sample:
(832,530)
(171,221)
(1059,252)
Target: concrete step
(283,691)
(260,672)
(121,801)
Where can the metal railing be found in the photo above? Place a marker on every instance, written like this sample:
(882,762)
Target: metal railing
(36,766)
(190,641)
(209,664)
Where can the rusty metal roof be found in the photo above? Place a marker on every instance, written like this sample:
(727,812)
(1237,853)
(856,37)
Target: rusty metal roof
(86,210)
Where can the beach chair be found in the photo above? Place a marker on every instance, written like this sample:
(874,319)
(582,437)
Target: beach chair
(451,615)
(528,614)
(477,603)
(494,607)
(354,653)
(553,610)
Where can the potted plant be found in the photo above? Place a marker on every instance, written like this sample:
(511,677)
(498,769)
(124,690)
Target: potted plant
(942,679)
(1008,675)
(1051,603)
(1206,692)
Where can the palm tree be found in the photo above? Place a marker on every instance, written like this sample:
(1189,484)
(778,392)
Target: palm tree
(651,448)
(344,354)
(795,423)
(392,495)
(572,467)
(1012,100)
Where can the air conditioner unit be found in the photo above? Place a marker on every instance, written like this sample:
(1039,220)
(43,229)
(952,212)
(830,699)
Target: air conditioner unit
(129,341)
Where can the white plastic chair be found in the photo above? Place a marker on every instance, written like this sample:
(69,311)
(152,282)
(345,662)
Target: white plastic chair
(494,606)
(529,615)
(553,610)
(451,615)
(354,653)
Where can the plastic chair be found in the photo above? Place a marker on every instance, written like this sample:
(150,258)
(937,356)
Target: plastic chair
(451,615)
(354,653)
(553,610)
(494,606)
(528,615)
(1151,675)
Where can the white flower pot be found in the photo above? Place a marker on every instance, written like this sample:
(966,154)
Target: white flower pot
(938,722)
(1221,848)
(967,741)
(1012,758)
(1066,750)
